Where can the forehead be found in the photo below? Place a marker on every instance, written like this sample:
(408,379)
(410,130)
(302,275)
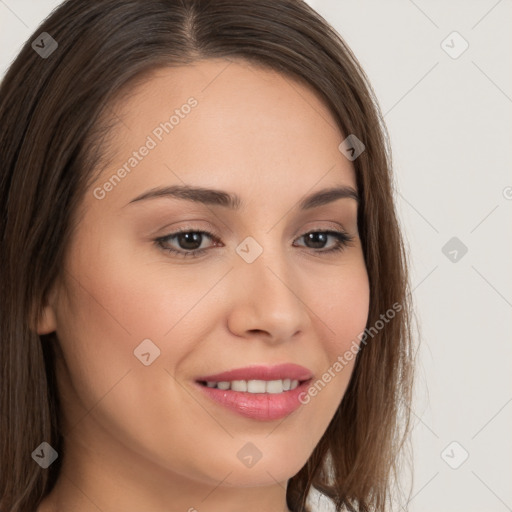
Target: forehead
(226,124)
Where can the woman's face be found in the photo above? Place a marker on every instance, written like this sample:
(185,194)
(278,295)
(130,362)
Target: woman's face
(139,325)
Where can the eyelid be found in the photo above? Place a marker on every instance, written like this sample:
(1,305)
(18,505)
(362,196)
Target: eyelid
(169,230)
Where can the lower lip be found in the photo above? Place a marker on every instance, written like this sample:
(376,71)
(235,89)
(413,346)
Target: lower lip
(258,406)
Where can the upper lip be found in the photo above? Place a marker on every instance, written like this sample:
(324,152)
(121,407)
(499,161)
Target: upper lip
(262,372)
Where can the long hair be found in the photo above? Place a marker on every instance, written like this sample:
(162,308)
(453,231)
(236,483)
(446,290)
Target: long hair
(54,114)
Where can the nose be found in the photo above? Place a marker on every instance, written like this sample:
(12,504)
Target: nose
(268,300)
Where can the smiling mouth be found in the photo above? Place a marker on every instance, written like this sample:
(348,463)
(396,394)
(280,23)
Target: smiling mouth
(265,394)
(255,386)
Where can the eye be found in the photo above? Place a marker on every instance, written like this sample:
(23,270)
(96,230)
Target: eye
(342,239)
(190,241)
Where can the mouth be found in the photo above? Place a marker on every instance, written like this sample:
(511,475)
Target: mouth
(255,386)
(258,392)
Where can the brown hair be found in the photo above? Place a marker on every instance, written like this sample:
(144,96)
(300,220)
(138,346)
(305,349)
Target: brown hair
(54,113)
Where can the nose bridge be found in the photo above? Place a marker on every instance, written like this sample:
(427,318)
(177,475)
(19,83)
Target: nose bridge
(268,292)
(266,262)
(270,273)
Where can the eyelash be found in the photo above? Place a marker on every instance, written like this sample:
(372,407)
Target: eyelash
(343,240)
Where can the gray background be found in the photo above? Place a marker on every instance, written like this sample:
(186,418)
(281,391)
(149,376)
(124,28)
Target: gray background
(450,125)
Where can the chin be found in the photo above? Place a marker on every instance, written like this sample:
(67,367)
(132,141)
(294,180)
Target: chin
(262,474)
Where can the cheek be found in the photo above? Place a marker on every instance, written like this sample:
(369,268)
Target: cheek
(111,307)
(345,306)
(108,311)
(131,298)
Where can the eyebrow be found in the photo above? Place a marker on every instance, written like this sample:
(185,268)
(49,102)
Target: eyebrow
(225,199)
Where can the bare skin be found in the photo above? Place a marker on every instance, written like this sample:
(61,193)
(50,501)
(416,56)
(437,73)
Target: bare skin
(144,437)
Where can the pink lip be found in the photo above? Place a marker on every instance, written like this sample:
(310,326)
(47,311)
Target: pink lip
(259,406)
(262,372)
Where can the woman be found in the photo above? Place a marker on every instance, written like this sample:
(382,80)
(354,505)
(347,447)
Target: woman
(205,301)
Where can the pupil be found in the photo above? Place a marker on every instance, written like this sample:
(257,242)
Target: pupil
(189,238)
(314,236)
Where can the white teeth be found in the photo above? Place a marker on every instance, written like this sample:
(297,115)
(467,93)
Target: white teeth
(239,385)
(256,386)
(275,386)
